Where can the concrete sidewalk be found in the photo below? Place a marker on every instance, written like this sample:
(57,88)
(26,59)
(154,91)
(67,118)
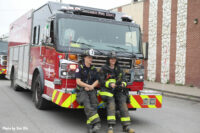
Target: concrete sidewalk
(191,93)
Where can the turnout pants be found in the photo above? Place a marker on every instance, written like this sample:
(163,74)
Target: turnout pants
(89,100)
(112,101)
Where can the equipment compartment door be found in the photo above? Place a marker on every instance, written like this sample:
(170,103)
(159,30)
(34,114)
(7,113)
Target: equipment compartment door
(23,65)
(26,63)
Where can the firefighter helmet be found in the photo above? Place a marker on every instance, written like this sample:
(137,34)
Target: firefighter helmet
(88,53)
(112,55)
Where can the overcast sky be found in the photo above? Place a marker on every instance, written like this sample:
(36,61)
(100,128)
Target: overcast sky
(10,10)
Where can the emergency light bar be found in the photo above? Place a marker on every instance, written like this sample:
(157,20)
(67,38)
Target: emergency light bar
(87,12)
(127,18)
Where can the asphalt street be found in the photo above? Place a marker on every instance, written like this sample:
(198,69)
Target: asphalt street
(18,114)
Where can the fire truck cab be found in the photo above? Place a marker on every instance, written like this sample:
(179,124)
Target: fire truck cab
(45,46)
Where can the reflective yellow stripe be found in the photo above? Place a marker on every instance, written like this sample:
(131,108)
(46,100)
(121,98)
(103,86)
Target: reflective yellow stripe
(106,94)
(159,98)
(80,107)
(110,81)
(68,102)
(59,97)
(111,118)
(134,103)
(124,84)
(125,119)
(54,93)
(92,67)
(107,84)
(92,118)
(88,122)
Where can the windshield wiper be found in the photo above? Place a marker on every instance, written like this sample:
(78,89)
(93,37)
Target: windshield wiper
(87,45)
(118,48)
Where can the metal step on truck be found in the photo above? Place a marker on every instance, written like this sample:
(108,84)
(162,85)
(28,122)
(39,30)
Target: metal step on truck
(46,44)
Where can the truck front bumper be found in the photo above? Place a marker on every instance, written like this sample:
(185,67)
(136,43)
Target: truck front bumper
(141,99)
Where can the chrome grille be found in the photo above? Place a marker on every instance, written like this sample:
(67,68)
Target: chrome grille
(124,63)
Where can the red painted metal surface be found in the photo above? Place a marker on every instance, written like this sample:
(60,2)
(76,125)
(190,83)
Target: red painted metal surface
(136,86)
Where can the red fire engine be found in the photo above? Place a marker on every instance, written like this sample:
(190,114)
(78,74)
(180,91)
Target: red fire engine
(45,46)
(3,58)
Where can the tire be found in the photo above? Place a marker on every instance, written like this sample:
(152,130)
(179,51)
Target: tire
(2,76)
(13,84)
(39,101)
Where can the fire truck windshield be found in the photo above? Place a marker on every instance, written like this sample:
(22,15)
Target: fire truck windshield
(3,47)
(99,35)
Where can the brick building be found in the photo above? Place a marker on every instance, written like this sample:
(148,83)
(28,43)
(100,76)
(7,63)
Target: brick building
(172,29)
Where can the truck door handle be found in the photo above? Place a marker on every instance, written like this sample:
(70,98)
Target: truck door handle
(44,59)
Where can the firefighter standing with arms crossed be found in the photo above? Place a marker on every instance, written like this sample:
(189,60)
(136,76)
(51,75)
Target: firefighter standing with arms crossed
(87,80)
(114,94)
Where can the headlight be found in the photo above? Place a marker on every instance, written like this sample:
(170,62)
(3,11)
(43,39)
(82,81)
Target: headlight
(141,77)
(138,74)
(4,57)
(63,73)
(67,69)
(3,62)
(72,67)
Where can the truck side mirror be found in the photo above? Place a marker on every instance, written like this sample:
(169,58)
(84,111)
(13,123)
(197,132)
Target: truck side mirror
(48,40)
(145,47)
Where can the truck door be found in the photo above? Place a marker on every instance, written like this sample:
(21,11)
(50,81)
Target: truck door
(49,53)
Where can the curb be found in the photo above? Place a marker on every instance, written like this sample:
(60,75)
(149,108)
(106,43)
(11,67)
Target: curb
(176,95)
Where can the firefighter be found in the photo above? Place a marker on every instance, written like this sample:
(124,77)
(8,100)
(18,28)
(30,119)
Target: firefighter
(87,80)
(114,94)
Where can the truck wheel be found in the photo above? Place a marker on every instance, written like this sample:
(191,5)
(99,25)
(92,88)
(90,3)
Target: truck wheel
(39,101)
(2,76)
(13,84)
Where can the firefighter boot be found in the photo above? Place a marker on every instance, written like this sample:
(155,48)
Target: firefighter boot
(96,128)
(128,129)
(90,129)
(110,129)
